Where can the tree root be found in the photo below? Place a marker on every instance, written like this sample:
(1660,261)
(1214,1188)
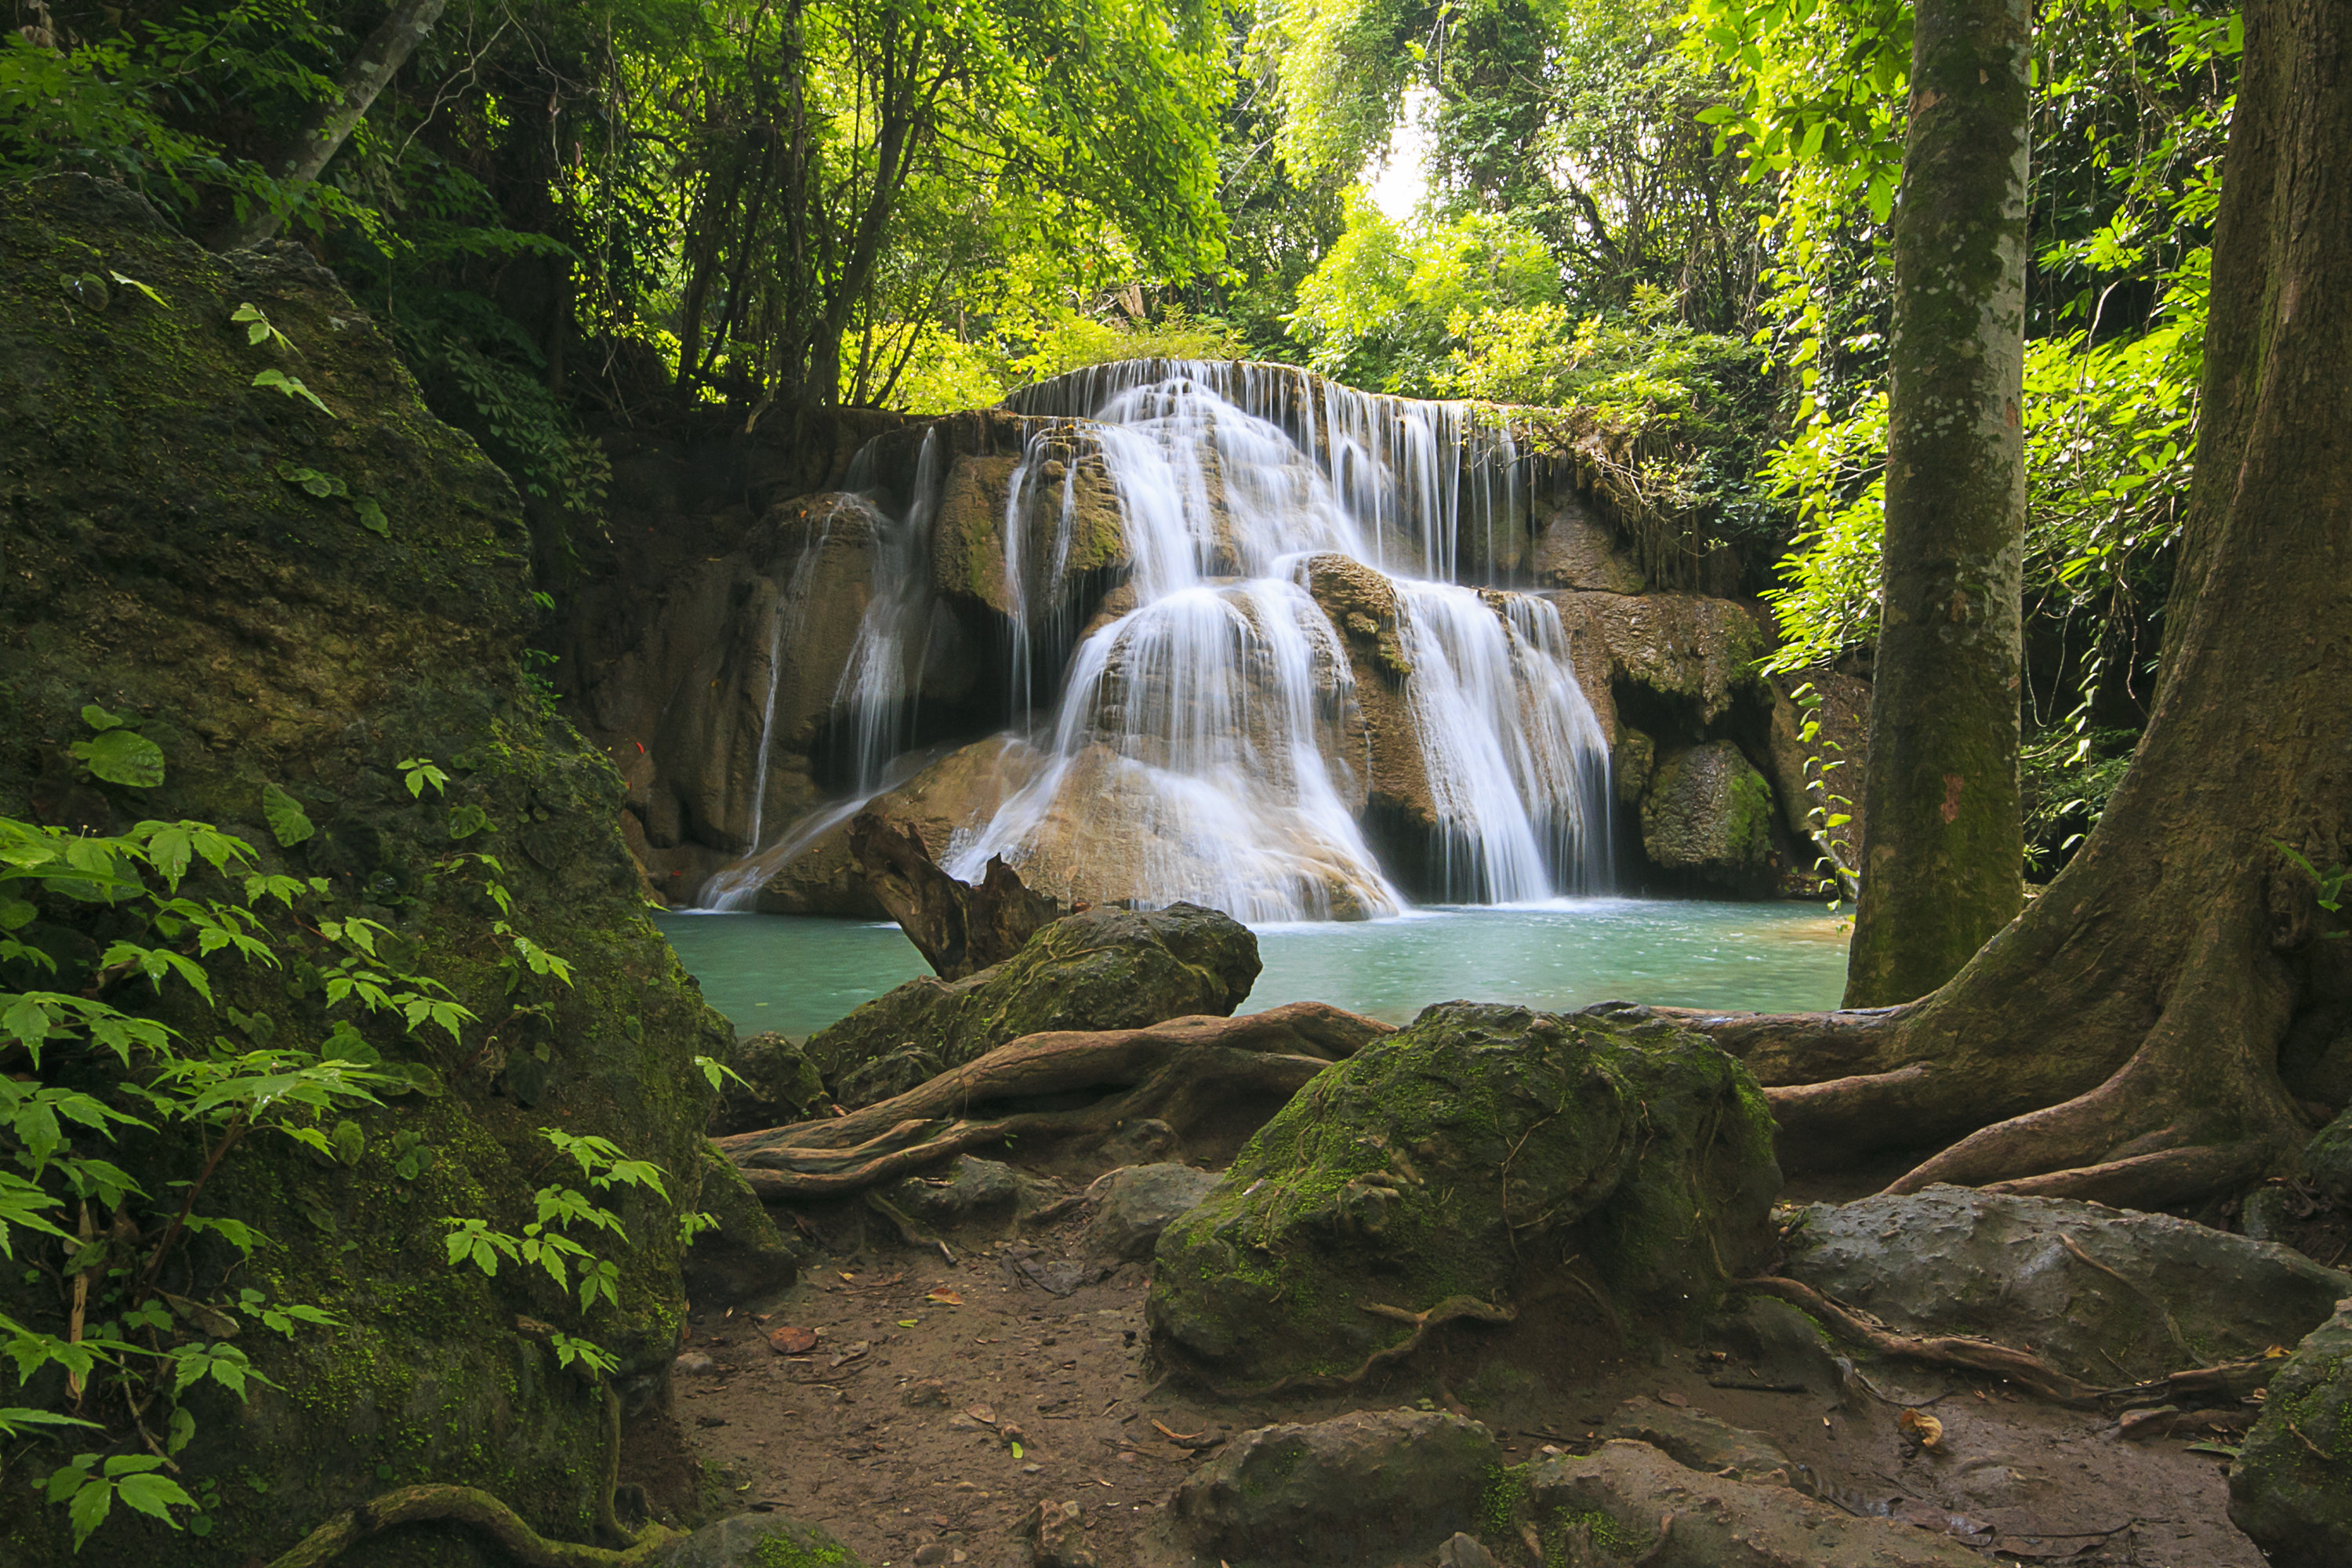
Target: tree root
(2028,1372)
(467,1506)
(1450,1310)
(913,1235)
(1179,1071)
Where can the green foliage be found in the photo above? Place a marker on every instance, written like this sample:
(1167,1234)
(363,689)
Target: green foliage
(117,753)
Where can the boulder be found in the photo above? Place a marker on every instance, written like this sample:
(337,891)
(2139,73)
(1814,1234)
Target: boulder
(2109,1296)
(1697,1441)
(971,1191)
(1361,605)
(755,1541)
(1099,969)
(1463,1157)
(2291,1487)
(1629,1502)
(779,1085)
(742,1256)
(1708,814)
(1366,1488)
(1139,1202)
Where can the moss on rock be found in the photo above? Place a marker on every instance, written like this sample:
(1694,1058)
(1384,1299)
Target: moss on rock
(1099,969)
(160,561)
(1472,1153)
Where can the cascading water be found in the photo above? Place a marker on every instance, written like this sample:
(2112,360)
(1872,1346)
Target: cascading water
(1197,750)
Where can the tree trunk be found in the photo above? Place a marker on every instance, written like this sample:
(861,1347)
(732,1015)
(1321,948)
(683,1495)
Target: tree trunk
(960,929)
(1945,866)
(2120,1040)
(378,61)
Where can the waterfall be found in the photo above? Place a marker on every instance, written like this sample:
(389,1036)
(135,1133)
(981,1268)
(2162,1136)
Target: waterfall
(1193,753)
(1196,747)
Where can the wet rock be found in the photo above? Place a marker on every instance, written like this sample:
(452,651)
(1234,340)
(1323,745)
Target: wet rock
(1779,1343)
(1629,1502)
(1699,1442)
(1954,1261)
(1393,785)
(1101,969)
(1575,548)
(1360,1488)
(1139,1202)
(743,1257)
(779,1087)
(1634,758)
(2291,1487)
(755,1541)
(1684,652)
(1454,1159)
(1707,814)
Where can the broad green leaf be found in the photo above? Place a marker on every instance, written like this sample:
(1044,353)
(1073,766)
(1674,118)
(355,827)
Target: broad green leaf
(372,516)
(98,718)
(286,817)
(122,757)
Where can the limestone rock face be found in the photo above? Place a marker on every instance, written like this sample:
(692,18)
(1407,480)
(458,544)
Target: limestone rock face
(1099,969)
(1366,1488)
(2291,1486)
(160,560)
(1708,814)
(1952,1260)
(1066,535)
(1362,606)
(1574,548)
(1695,653)
(1377,1187)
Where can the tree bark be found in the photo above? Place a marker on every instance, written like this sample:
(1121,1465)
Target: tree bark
(959,930)
(378,61)
(2120,1040)
(1944,869)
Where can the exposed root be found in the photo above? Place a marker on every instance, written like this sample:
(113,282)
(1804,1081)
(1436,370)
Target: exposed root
(1815,1119)
(2028,1372)
(1179,1071)
(2176,1176)
(1450,1310)
(462,1505)
(913,1235)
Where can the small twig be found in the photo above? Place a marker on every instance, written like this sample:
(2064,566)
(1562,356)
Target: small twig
(909,1232)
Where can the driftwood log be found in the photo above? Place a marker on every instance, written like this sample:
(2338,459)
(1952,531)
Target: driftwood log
(1180,1072)
(960,929)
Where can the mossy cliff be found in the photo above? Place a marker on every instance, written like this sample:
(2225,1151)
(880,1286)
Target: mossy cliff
(1483,1151)
(166,556)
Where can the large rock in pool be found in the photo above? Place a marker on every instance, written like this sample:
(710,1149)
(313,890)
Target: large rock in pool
(2105,1295)
(1708,814)
(1468,1155)
(2290,1488)
(1101,969)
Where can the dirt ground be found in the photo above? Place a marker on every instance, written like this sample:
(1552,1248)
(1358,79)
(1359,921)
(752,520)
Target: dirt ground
(942,1402)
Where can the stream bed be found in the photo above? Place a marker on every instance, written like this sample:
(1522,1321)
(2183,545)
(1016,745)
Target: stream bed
(796,974)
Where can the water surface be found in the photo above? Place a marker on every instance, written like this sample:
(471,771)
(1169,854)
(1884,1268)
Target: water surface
(797,975)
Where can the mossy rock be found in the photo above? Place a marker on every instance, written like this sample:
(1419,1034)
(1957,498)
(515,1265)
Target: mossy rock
(1708,814)
(741,1256)
(160,561)
(1473,1153)
(2290,1488)
(1099,969)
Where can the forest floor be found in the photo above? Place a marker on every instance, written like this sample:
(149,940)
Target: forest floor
(942,1402)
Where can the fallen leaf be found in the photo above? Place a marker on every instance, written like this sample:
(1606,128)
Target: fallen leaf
(852,1354)
(1181,1437)
(1016,1450)
(1922,1425)
(982,1413)
(1676,1400)
(850,1277)
(2274,1352)
(792,1340)
(945,1297)
(909,1323)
